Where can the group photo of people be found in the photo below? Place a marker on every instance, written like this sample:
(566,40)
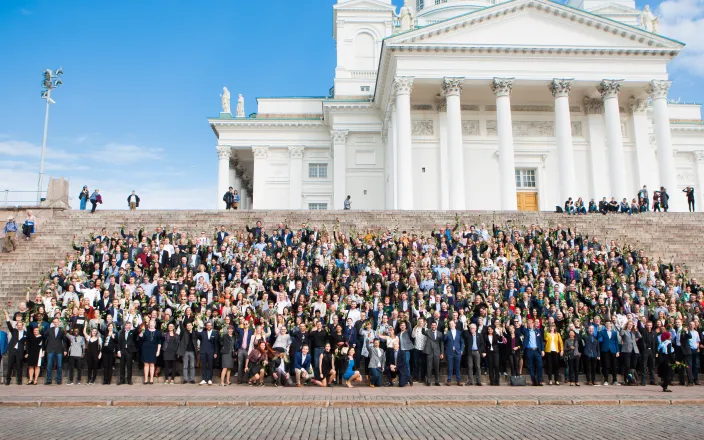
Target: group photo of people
(316,305)
(637,205)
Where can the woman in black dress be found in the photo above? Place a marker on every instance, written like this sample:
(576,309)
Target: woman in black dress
(326,368)
(34,355)
(151,347)
(93,355)
(227,355)
(171,344)
(339,347)
(108,351)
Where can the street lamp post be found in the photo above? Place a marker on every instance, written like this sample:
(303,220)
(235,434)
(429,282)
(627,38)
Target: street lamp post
(51,81)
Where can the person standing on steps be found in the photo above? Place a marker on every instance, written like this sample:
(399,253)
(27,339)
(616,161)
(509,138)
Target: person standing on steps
(348,203)
(133,201)
(83,197)
(95,198)
(229,199)
(10,234)
(690,197)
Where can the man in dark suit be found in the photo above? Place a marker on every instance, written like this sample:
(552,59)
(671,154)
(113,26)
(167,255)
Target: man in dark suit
(648,350)
(116,313)
(17,350)
(243,337)
(454,348)
(209,349)
(397,366)
(474,346)
(127,350)
(105,301)
(433,351)
(194,259)
(55,338)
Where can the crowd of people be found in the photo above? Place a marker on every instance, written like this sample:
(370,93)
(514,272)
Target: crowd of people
(639,204)
(304,305)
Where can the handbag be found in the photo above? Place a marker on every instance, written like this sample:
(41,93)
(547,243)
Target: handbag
(518,381)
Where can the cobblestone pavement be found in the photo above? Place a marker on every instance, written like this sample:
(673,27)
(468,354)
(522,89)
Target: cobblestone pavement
(564,423)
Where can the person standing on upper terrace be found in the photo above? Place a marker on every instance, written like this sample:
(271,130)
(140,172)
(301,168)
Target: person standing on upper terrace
(10,234)
(133,201)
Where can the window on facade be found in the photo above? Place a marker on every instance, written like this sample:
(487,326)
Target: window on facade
(318,206)
(318,171)
(365,49)
(364,88)
(525,178)
(420,4)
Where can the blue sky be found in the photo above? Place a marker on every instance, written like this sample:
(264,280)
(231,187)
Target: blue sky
(141,77)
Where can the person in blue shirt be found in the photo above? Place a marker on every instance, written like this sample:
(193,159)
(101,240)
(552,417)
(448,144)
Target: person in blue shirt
(534,351)
(608,340)
(3,344)
(10,234)
(301,365)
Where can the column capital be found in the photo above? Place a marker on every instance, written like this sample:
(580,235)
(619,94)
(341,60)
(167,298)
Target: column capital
(339,136)
(452,86)
(441,103)
(593,106)
(502,86)
(260,152)
(296,151)
(658,89)
(560,87)
(609,88)
(403,85)
(698,156)
(223,152)
(637,105)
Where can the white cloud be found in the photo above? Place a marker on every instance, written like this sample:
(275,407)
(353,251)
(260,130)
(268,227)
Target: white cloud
(116,169)
(683,20)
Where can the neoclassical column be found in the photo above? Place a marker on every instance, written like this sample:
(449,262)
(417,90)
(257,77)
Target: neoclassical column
(663,139)
(235,181)
(646,171)
(609,90)
(560,89)
(260,176)
(339,173)
(404,156)
(699,189)
(504,128)
(594,110)
(295,172)
(444,161)
(223,173)
(452,88)
(394,149)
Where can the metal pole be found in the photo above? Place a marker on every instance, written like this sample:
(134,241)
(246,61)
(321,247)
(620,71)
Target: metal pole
(41,166)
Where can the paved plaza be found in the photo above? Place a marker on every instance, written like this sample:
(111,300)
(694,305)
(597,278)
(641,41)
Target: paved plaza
(558,423)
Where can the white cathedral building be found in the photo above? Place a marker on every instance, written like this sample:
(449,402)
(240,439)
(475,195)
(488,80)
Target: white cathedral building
(473,105)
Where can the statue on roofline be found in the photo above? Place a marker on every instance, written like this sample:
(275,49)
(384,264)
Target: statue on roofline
(225,97)
(407,17)
(239,111)
(649,21)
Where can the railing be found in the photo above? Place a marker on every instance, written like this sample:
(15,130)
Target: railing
(18,198)
(363,74)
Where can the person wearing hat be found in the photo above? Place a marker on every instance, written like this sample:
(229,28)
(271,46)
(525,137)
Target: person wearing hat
(279,375)
(83,197)
(133,201)
(10,234)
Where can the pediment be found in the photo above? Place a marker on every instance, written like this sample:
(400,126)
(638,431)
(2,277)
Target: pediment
(364,5)
(534,24)
(614,8)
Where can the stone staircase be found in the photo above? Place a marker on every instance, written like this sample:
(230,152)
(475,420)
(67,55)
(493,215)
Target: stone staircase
(674,237)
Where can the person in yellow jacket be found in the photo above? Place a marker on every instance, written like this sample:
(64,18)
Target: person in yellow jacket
(553,352)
